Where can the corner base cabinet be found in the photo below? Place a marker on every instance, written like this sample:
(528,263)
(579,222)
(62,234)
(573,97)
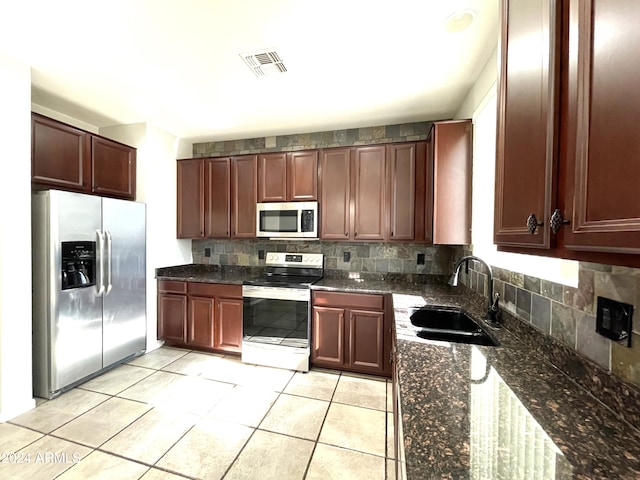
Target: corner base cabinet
(205,316)
(351,332)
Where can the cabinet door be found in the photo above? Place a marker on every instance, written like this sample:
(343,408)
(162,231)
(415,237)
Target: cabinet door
(527,115)
(428,195)
(603,141)
(369,170)
(302,176)
(172,318)
(200,328)
(190,199)
(228,335)
(335,190)
(113,168)
(365,340)
(402,191)
(272,177)
(327,340)
(60,155)
(217,211)
(244,194)
(452,146)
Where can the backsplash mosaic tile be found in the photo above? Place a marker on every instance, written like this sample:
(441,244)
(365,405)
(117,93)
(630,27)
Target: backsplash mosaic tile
(567,314)
(406,132)
(365,257)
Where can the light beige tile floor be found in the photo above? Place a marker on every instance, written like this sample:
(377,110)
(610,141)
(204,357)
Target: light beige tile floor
(175,413)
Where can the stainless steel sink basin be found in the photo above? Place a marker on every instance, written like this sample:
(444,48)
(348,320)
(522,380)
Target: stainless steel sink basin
(449,324)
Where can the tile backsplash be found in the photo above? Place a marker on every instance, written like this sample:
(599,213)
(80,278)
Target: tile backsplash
(406,132)
(568,314)
(364,257)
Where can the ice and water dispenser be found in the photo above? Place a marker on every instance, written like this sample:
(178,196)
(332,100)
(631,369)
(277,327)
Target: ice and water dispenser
(78,264)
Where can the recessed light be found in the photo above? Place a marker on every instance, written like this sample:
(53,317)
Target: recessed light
(459,21)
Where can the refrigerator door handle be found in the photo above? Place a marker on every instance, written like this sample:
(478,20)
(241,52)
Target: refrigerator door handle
(109,243)
(101,249)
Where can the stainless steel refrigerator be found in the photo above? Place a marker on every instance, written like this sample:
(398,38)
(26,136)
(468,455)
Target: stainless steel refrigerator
(89,286)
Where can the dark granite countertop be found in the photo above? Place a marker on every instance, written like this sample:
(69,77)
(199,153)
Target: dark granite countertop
(505,412)
(208,273)
(486,413)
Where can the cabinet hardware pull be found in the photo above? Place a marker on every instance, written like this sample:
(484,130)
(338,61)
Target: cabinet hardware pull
(533,223)
(556,221)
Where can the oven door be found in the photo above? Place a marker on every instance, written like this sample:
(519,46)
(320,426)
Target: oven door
(275,324)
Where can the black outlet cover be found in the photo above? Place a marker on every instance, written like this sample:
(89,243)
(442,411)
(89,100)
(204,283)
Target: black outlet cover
(207,252)
(614,320)
(420,259)
(260,254)
(346,256)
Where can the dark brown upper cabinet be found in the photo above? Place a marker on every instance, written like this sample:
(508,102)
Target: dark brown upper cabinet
(406,164)
(353,193)
(244,196)
(527,122)
(601,199)
(69,158)
(567,142)
(190,201)
(288,177)
(369,193)
(449,168)
(113,168)
(217,197)
(335,194)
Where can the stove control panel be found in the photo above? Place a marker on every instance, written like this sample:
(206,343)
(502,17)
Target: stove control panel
(295,259)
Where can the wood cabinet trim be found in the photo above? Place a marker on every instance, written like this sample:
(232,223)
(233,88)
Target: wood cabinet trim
(348,300)
(172,286)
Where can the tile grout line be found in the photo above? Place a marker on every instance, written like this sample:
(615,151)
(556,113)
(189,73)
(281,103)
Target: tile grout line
(280,392)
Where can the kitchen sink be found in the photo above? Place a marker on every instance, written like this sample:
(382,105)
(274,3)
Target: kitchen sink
(449,324)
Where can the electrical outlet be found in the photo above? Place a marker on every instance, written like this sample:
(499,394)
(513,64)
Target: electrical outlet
(207,252)
(420,260)
(346,256)
(260,254)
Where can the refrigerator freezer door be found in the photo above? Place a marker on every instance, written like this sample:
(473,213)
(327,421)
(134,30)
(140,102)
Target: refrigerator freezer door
(124,302)
(67,323)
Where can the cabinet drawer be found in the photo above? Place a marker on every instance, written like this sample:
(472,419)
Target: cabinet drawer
(351,300)
(172,286)
(215,290)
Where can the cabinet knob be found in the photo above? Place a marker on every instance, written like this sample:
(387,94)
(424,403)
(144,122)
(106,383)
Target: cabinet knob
(532,223)
(557,220)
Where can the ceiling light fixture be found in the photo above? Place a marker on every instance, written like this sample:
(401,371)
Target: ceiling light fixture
(264,62)
(459,21)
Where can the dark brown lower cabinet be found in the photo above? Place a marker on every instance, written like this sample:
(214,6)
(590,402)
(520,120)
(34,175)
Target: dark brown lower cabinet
(172,313)
(200,324)
(351,332)
(205,316)
(228,333)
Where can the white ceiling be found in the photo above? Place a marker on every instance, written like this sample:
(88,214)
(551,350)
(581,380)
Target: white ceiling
(176,64)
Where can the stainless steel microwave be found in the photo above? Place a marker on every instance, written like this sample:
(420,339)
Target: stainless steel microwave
(287,220)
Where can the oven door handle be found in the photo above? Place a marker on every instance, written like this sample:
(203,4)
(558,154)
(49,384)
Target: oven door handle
(277,293)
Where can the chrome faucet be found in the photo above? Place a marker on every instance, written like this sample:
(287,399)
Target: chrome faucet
(492,307)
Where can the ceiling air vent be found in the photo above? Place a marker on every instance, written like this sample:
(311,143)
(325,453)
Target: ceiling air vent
(264,62)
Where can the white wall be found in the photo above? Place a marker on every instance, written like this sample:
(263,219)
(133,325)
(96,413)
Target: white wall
(15,239)
(155,186)
(185,149)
